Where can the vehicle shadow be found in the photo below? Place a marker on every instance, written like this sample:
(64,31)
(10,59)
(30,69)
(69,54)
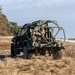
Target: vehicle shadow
(2,57)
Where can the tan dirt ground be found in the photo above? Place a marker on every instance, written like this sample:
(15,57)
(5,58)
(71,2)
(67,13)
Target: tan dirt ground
(40,65)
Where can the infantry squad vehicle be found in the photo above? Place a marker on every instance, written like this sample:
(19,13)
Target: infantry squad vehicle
(38,38)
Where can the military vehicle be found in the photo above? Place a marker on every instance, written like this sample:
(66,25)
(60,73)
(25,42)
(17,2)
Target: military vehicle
(38,38)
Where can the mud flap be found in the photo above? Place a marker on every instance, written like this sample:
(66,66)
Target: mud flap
(25,52)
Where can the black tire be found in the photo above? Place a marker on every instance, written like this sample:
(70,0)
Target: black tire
(57,54)
(25,53)
(12,51)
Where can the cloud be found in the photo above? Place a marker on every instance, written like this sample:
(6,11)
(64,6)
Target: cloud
(12,4)
(23,11)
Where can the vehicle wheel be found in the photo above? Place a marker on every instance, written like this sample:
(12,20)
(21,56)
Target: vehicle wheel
(12,51)
(57,54)
(25,53)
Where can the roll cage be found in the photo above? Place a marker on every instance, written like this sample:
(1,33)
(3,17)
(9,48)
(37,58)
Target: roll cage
(34,24)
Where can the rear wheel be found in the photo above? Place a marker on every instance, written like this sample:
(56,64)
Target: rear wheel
(57,54)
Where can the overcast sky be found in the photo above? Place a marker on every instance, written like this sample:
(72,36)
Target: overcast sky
(27,11)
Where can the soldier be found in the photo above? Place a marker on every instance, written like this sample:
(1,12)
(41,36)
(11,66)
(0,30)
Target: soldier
(42,30)
(37,33)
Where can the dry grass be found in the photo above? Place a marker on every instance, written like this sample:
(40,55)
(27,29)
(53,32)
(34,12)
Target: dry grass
(70,50)
(40,65)
(5,43)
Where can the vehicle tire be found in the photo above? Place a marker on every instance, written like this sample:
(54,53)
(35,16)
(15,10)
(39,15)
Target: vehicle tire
(12,51)
(57,54)
(25,52)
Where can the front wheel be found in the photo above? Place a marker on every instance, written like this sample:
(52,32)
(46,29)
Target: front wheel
(13,53)
(25,53)
(57,54)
